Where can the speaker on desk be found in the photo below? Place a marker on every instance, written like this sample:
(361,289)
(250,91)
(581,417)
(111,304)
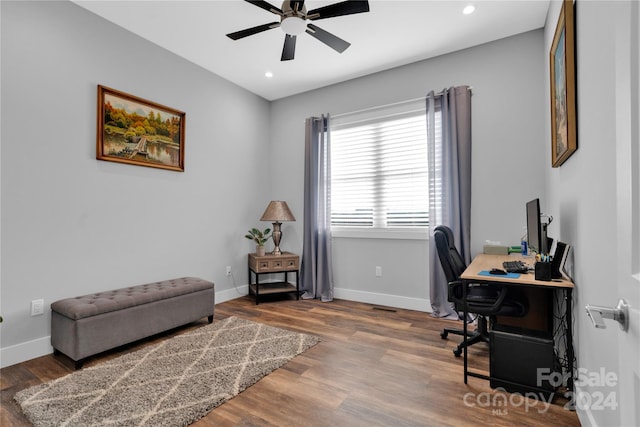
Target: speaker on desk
(559,260)
(516,354)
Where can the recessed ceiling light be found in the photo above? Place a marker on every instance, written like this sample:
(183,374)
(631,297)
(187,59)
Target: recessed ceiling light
(469,9)
(268,74)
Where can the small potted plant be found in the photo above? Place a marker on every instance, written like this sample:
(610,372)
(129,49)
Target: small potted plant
(260,237)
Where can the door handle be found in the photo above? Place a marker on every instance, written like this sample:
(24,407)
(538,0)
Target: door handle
(620,314)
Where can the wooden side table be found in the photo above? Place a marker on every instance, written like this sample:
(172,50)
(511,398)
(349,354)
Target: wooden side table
(269,264)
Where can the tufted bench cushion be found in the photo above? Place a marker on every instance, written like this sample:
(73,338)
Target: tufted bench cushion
(103,302)
(89,324)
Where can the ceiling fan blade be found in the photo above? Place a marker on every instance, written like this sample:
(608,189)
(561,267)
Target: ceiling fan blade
(327,38)
(289,48)
(266,6)
(251,31)
(339,9)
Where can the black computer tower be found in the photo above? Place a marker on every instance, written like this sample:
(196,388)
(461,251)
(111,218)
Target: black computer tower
(516,354)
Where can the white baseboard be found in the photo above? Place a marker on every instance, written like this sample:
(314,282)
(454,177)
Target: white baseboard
(396,301)
(42,346)
(25,351)
(350,295)
(585,416)
(233,293)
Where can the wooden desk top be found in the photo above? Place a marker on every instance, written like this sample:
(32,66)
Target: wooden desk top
(487,262)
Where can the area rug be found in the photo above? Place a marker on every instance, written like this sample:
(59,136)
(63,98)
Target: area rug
(173,383)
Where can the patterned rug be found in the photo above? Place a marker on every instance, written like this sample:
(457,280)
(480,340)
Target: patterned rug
(173,383)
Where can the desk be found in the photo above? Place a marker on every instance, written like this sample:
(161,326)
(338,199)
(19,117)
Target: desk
(487,262)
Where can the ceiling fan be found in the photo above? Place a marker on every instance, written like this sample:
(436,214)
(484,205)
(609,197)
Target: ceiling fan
(293,21)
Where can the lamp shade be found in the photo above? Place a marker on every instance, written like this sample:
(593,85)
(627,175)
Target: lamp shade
(277,211)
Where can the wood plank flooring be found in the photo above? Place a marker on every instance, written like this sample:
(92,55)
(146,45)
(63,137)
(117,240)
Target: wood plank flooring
(374,366)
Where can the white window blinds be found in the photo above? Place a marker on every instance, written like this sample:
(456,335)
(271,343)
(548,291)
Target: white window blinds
(379,176)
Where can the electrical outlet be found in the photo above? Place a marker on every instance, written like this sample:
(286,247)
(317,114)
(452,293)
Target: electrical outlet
(378,271)
(37,307)
(228,270)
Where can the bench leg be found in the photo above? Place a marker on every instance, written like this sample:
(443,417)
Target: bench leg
(210,319)
(77,364)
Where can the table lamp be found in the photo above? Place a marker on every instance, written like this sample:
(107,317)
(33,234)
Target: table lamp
(277,211)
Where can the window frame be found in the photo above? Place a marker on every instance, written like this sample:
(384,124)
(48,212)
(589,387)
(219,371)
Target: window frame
(410,108)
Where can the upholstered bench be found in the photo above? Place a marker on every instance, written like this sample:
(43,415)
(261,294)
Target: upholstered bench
(90,324)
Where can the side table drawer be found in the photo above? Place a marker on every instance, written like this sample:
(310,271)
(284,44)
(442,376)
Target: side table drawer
(274,263)
(292,263)
(284,263)
(262,266)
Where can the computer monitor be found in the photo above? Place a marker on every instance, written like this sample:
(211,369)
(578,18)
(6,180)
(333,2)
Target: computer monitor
(536,230)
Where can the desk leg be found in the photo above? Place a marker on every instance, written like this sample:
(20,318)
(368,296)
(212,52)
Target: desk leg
(569,332)
(464,328)
(297,286)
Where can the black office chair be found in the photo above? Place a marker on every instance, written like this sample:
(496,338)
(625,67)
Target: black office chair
(486,301)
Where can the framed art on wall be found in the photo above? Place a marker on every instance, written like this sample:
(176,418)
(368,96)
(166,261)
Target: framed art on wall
(139,132)
(563,88)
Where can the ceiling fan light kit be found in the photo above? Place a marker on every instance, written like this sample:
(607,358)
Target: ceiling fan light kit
(293,25)
(293,21)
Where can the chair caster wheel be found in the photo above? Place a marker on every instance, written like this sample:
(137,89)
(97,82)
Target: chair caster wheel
(444,335)
(457,352)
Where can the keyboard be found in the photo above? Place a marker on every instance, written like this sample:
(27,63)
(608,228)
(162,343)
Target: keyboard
(515,267)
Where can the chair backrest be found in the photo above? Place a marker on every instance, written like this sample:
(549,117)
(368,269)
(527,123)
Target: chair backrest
(451,260)
(484,300)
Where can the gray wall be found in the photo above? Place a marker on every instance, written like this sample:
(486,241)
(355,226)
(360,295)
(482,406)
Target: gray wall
(72,225)
(509,163)
(582,193)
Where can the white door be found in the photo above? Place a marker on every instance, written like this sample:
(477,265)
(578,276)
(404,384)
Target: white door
(628,207)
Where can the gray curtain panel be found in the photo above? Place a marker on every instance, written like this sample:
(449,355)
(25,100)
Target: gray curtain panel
(449,142)
(316,271)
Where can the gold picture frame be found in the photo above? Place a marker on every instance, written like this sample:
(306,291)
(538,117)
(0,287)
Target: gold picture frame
(135,131)
(564,141)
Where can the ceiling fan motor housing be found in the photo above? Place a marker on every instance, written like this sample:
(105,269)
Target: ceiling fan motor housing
(293,20)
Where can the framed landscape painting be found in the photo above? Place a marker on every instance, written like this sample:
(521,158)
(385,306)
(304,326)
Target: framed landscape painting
(563,88)
(139,132)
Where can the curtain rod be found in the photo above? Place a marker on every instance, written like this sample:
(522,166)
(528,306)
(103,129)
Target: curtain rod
(389,105)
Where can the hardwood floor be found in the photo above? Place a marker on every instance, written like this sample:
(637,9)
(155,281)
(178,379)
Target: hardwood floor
(374,366)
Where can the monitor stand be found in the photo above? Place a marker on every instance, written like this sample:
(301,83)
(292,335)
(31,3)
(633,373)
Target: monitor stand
(544,241)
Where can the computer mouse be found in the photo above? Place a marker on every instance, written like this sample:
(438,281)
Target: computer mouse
(497,271)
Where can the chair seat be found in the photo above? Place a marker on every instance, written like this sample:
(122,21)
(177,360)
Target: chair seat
(485,301)
(479,301)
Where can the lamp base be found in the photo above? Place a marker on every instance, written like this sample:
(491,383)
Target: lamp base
(276,235)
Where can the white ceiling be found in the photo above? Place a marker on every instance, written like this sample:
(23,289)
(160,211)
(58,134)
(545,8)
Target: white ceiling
(393,33)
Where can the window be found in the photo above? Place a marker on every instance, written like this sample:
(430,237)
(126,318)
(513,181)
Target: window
(379,177)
